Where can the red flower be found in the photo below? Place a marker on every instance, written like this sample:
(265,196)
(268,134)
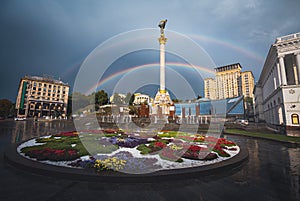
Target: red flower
(160,144)
(194,148)
(59,152)
(72,152)
(66,134)
(110,131)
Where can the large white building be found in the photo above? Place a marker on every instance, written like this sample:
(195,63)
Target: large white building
(277,92)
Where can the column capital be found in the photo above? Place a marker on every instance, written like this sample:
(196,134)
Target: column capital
(162,40)
(297,53)
(281,56)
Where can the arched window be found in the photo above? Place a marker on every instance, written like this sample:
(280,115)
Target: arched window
(295,119)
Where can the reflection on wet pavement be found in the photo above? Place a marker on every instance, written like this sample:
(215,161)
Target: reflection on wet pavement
(272,173)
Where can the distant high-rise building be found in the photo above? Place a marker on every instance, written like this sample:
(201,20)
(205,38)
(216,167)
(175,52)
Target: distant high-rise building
(227,81)
(210,88)
(42,97)
(230,82)
(247,84)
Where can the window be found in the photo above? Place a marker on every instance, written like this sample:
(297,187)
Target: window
(295,119)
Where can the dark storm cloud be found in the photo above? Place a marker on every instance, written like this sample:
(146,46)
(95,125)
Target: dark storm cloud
(53,37)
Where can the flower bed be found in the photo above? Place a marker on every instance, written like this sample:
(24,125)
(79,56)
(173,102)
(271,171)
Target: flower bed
(119,151)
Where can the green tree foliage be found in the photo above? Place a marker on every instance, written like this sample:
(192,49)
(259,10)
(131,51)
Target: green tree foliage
(117,99)
(5,107)
(131,99)
(128,98)
(132,110)
(249,100)
(101,98)
(69,107)
(79,101)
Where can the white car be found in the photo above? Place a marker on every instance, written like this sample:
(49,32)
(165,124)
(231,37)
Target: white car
(242,121)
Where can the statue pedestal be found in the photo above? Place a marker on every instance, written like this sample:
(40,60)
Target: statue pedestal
(161,104)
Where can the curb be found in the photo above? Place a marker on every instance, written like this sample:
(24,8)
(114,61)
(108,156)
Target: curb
(13,158)
(293,144)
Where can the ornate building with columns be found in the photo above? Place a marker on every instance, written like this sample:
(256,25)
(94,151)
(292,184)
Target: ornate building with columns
(277,92)
(42,97)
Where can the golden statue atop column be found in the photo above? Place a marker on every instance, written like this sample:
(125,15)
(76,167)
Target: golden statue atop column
(162,25)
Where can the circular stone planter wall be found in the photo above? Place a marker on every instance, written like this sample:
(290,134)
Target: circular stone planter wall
(15,159)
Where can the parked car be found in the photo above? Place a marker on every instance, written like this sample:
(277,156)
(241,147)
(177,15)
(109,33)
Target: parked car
(242,121)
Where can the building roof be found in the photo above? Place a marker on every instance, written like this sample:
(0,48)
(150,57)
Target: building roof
(45,79)
(287,37)
(228,67)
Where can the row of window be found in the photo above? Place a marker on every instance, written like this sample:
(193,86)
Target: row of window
(47,85)
(49,90)
(49,94)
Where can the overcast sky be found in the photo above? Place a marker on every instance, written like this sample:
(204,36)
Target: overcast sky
(54,36)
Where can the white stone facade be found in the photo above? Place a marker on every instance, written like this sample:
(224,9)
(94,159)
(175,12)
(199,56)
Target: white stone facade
(277,93)
(141,99)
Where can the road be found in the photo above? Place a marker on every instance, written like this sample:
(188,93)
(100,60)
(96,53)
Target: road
(272,174)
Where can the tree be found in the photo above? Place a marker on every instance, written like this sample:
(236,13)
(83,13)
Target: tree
(69,106)
(132,110)
(131,99)
(5,107)
(101,98)
(117,99)
(127,98)
(79,101)
(249,100)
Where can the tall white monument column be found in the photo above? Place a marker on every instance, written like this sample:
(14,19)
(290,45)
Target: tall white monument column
(282,68)
(162,41)
(162,101)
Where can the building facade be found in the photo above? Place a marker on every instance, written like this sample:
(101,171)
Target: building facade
(141,99)
(42,97)
(277,92)
(210,88)
(230,82)
(247,84)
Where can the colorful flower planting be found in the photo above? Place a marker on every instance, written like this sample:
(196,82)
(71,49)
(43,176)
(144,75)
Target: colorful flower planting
(116,150)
